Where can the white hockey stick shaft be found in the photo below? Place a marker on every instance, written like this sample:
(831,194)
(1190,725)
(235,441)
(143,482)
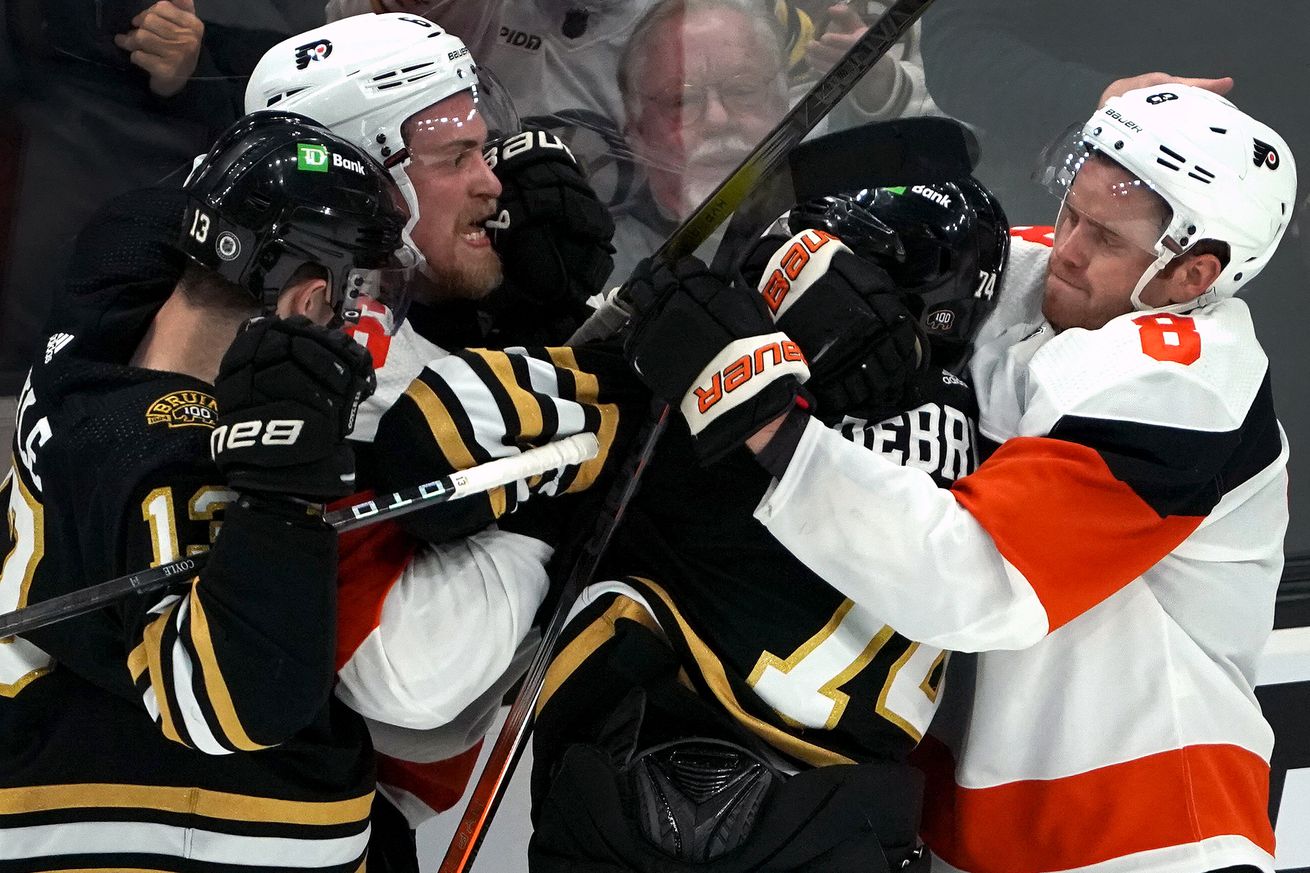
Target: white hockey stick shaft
(475,480)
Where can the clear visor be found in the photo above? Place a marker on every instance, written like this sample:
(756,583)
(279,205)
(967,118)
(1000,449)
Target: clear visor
(1114,206)
(377,298)
(495,105)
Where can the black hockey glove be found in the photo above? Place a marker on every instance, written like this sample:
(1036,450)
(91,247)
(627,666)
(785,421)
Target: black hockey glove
(863,343)
(553,236)
(710,349)
(287,393)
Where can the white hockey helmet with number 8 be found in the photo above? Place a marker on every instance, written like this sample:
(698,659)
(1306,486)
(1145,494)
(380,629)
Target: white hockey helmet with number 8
(1223,175)
(363,76)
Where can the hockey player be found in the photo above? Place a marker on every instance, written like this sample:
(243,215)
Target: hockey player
(196,730)
(678,701)
(1116,558)
(430,636)
(409,93)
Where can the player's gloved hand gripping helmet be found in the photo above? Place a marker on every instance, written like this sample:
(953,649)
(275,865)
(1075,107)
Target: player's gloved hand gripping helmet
(278,191)
(363,76)
(1221,175)
(945,245)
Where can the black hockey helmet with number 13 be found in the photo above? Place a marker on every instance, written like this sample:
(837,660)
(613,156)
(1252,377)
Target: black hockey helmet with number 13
(944,244)
(278,191)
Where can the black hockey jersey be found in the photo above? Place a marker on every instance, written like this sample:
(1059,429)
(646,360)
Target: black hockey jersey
(789,657)
(191,730)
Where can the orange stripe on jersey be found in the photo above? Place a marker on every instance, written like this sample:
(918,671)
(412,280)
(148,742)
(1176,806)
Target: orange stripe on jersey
(1057,513)
(1171,798)
(439,784)
(371,559)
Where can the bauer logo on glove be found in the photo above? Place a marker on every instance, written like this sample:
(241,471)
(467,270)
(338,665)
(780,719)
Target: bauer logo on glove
(785,276)
(768,356)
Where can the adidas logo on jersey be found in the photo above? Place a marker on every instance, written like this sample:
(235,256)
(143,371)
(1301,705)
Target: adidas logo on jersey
(55,343)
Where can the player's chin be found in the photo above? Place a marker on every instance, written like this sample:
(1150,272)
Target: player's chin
(1061,304)
(482,274)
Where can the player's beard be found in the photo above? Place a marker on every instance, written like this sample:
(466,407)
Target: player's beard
(470,279)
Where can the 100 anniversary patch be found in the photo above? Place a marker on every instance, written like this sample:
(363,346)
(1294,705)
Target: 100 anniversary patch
(184,409)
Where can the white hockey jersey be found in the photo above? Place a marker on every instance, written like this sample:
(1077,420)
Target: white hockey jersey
(427,635)
(1115,561)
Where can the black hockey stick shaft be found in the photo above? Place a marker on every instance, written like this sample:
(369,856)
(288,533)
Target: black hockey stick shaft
(502,471)
(767,157)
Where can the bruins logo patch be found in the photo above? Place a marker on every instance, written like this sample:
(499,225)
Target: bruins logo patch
(184,409)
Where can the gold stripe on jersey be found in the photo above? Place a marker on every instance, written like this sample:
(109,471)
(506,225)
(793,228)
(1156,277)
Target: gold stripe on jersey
(153,641)
(585,644)
(587,393)
(220,805)
(449,441)
(526,406)
(138,661)
(215,685)
(716,677)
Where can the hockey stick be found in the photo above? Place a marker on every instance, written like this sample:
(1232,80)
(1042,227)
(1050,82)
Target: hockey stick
(767,157)
(502,471)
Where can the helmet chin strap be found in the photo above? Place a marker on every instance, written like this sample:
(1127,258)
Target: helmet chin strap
(1151,272)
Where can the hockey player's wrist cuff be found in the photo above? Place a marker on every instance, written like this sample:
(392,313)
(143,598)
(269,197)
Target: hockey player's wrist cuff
(778,451)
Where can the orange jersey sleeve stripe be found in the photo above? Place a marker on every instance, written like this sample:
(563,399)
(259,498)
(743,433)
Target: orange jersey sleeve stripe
(1168,799)
(371,560)
(1058,514)
(439,784)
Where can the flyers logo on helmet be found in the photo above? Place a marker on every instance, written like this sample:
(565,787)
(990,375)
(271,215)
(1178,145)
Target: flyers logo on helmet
(745,368)
(787,264)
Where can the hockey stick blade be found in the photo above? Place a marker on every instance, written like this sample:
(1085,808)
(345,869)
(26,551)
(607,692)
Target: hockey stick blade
(502,471)
(767,156)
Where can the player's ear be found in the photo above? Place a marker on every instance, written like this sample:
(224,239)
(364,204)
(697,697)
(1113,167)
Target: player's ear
(1193,277)
(309,297)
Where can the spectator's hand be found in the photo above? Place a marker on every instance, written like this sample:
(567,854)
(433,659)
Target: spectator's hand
(165,42)
(1147,80)
(844,29)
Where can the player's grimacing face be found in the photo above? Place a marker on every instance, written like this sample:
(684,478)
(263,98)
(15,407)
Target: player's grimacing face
(456,193)
(1106,225)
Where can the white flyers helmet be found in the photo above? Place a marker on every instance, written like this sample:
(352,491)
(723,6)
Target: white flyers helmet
(362,76)
(1224,175)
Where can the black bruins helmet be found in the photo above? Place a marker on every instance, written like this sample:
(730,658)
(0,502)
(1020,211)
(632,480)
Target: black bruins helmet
(946,244)
(278,191)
